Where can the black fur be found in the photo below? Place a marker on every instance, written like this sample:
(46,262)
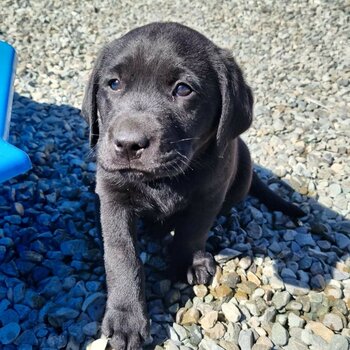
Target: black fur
(175,161)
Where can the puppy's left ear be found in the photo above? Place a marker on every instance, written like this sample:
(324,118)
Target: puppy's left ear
(237,101)
(89,108)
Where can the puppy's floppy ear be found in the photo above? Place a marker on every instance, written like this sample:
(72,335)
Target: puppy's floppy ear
(89,107)
(237,101)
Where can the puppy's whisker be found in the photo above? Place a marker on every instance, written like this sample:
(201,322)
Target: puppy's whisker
(183,140)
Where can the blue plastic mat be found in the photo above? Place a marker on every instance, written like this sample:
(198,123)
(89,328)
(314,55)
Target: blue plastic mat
(13,161)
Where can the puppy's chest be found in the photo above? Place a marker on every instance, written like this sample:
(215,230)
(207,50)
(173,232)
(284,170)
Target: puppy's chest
(157,200)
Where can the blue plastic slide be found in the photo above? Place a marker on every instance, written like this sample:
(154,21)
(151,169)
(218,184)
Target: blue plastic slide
(13,161)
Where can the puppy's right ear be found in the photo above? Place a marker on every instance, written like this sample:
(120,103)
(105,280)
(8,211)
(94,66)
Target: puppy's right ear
(89,107)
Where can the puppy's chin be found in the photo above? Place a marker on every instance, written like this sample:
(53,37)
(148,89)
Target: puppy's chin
(169,169)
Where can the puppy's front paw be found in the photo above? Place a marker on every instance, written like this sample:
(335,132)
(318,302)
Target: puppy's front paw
(203,268)
(125,329)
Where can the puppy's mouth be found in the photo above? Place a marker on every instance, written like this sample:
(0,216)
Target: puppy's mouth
(171,166)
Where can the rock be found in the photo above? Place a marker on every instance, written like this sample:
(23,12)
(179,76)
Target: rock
(230,279)
(200,290)
(333,322)
(339,342)
(9,333)
(321,330)
(333,292)
(245,262)
(181,331)
(228,345)
(74,247)
(226,255)
(208,344)
(264,341)
(246,339)
(190,316)
(342,240)
(296,288)
(279,335)
(170,345)
(253,278)
(91,329)
(254,230)
(216,332)
(94,305)
(276,283)
(209,320)
(295,321)
(222,291)
(304,239)
(231,312)
(194,334)
(281,299)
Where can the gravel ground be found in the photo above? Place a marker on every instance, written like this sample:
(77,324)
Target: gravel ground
(280,285)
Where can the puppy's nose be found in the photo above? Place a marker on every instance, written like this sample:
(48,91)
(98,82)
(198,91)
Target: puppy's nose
(131,144)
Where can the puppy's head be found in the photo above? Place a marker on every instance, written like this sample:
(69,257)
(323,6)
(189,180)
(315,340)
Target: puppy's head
(159,96)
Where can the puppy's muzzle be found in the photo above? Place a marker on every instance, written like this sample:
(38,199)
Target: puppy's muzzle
(130,144)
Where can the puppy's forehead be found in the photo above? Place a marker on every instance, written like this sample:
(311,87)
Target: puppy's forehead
(161,47)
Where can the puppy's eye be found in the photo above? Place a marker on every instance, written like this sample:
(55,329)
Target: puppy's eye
(182,90)
(114,84)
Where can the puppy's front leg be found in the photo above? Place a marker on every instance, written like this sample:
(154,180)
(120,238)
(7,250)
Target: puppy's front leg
(125,321)
(189,257)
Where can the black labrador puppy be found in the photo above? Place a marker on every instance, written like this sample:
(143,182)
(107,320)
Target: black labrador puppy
(166,107)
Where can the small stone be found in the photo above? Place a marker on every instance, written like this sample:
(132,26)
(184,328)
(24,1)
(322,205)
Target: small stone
(172,334)
(91,329)
(200,290)
(231,312)
(342,240)
(333,322)
(304,239)
(226,255)
(321,330)
(294,306)
(295,321)
(276,283)
(222,291)
(281,299)
(254,230)
(264,341)
(246,339)
(228,345)
(170,345)
(245,262)
(217,332)
(288,273)
(190,316)
(94,305)
(279,335)
(74,247)
(318,283)
(194,334)
(261,347)
(282,319)
(230,279)
(333,292)
(9,333)
(296,288)
(253,278)
(208,344)
(209,319)
(339,342)
(181,331)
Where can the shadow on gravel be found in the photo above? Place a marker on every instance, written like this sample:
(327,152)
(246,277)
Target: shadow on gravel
(52,290)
